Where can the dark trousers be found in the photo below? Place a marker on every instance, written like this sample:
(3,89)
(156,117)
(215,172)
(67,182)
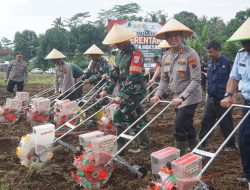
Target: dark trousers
(212,112)
(244,142)
(203,81)
(69,95)
(183,126)
(78,91)
(11,86)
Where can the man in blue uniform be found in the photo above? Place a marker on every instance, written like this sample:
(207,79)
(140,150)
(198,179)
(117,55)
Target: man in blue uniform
(241,72)
(219,67)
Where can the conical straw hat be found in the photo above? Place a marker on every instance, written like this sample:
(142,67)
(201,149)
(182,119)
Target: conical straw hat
(118,34)
(243,33)
(94,50)
(55,54)
(164,44)
(173,26)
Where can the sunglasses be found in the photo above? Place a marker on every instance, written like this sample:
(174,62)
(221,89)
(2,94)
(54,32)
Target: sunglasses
(172,34)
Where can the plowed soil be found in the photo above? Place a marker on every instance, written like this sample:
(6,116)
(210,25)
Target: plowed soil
(221,174)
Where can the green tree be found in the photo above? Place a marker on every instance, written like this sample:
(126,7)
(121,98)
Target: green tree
(26,42)
(187,18)
(53,38)
(217,29)
(77,19)
(198,43)
(58,23)
(230,49)
(121,12)
(156,16)
(7,44)
(236,22)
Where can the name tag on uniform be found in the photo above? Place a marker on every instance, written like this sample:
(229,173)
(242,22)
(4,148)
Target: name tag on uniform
(242,65)
(166,68)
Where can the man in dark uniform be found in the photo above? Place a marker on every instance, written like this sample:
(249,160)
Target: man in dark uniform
(219,68)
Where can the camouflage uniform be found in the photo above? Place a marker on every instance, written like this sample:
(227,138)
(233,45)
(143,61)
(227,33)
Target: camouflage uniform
(132,89)
(16,73)
(98,67)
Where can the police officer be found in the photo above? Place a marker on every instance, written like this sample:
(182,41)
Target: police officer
(219,67)
(17,73)
(241,72)
(183,65)
(128,74)
(64,81)
(99,66)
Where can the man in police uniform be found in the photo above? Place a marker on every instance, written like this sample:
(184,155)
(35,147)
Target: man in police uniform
(64,80)
(219,67)
(17,73)
(99,66)
(128,74)
(183,65)
(241,72)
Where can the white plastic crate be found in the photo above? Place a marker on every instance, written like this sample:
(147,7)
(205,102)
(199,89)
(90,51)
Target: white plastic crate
(104,148)
(69,108)
(13,104)
(41,104)
(23,96)
(188,165)
(44,135)
(85,139)
(161,157)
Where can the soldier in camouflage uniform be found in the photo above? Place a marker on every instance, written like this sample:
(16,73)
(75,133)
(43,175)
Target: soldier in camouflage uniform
(128,74)
(182,64)
(17,73)
(98,66)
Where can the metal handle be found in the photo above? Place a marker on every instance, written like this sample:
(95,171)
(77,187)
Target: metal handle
(118,152)
(227,139)
(80,122)
(43,92)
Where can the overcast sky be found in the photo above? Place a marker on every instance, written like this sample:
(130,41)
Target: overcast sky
(38,15)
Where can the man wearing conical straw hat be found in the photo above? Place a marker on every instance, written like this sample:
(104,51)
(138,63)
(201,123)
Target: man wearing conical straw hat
(128,74)
(183,65)
(98,68)
(241,72)
(66,75)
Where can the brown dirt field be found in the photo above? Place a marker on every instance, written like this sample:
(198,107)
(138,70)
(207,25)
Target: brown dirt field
(55,174)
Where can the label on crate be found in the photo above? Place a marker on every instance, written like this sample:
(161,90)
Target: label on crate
(186,159)
(165,151)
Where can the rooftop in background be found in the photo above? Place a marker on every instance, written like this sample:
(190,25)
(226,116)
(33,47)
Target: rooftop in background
(6,52)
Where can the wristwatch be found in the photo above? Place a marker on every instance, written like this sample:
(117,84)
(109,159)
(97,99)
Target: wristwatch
(228,94)
(183,99)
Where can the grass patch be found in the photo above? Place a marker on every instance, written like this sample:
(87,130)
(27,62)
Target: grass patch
(33,78)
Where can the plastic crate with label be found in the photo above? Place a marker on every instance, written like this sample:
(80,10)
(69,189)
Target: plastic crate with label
(161,157)
(188,165)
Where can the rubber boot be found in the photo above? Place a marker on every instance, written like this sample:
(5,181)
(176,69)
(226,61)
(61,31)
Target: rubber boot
(182,146)
(192,143)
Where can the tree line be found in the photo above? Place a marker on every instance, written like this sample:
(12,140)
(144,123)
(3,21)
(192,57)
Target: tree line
(74,35)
